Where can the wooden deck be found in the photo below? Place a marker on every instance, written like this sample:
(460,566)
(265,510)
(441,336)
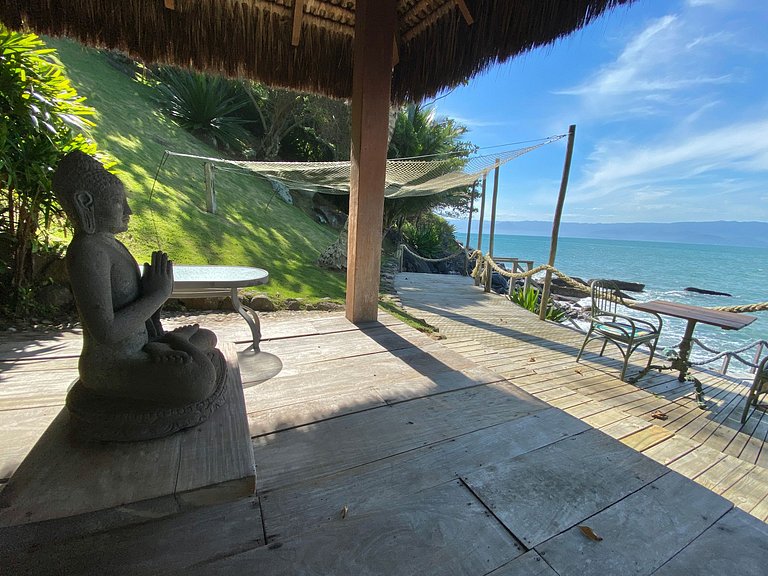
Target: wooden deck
(710,446)
(382,451)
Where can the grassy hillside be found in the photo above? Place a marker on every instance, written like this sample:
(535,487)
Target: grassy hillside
(251,227)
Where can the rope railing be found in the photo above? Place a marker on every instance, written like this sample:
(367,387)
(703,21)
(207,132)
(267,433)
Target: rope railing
(729,355)
(739,308)
(422,258)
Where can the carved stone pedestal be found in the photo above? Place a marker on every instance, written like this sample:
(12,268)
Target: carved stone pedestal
(64,475)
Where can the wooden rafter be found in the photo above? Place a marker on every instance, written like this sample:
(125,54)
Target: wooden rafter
(298,16)
(465,11)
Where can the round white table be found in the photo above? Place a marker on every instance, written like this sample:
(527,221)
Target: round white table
(218,281)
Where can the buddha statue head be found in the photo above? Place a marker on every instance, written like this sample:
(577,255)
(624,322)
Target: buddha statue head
(93,198)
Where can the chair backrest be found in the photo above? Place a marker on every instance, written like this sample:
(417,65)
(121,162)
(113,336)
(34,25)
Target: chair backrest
(604,297)
(762,375)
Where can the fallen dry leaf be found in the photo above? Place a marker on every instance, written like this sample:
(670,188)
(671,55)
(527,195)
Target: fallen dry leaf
(659,415)
(589,533)
(531,359)
(579,371)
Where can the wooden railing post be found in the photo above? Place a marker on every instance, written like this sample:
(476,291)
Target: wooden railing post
(210,188)
(556,222)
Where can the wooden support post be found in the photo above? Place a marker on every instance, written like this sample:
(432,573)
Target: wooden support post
(210,188)
(298,16)
(556,223)
(493,207)
(482,215)
(469,223)
(371,85)
(471,209)
(480,227)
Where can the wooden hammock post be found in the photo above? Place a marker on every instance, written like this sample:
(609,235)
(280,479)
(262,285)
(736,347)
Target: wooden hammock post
(375,22)
(469,223)
(210,188)
(489,273)
(480,224)
(471,209)
(556,223)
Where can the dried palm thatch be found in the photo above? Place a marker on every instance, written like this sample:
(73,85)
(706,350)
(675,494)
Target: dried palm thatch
(307,44)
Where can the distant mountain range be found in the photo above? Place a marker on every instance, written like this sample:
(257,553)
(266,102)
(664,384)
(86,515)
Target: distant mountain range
(720,233)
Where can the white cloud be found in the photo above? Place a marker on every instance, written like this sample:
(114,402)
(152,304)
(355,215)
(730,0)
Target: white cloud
(621,167)
(667,64)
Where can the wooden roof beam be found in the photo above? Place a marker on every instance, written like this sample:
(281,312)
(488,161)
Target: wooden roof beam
(298,16)
(465,12)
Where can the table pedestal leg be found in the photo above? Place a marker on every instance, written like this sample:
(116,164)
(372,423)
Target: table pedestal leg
(684,364)
(252,320)
(685,350)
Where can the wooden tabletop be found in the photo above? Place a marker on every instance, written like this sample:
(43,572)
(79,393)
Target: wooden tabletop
(726,320)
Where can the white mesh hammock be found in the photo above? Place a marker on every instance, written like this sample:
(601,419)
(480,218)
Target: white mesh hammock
(405,177)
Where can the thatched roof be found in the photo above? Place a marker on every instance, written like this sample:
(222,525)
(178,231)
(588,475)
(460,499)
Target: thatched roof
(307,44)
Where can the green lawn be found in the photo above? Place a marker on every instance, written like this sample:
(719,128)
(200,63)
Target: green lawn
(252,227)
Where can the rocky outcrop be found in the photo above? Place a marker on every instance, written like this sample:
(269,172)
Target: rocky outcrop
(559,287)
(335,256)
(624,285)
(710,292)
(456,265)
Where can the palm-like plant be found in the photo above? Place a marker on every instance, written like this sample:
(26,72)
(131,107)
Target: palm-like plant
(531,300)
(418,132)
(205,106)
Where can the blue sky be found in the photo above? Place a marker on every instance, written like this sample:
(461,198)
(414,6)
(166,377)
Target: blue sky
(670,102)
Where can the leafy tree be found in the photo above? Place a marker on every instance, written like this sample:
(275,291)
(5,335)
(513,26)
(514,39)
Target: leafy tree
(324,134)
(42,119)
(295,126)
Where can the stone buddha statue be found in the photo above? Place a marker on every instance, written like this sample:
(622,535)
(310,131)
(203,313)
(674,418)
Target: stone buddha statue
(136,381)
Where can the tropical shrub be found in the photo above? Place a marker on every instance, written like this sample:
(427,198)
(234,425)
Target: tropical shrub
(530,300)
(430,236)
(205,106)
(42,119)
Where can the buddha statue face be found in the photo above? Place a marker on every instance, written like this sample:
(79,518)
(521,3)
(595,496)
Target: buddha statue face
(93,199)
(111,210)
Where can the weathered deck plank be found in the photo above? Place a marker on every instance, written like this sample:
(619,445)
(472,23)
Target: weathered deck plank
(334,445)
(300,507)
(711,555)
(426,533)
(589,472)
(640,533)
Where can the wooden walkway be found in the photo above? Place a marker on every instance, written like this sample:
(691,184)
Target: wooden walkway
(382,451)
(710,446)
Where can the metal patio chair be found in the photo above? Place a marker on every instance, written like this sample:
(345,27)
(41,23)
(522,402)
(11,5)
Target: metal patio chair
(759,387)
(611,322)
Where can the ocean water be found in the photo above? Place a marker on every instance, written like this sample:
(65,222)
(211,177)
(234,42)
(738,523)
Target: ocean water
(665,269)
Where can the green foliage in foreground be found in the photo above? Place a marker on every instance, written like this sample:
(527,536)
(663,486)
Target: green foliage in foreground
(42,118)
(529,299)
(251,226)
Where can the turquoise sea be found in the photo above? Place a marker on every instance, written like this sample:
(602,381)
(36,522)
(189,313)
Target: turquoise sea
(665,269)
